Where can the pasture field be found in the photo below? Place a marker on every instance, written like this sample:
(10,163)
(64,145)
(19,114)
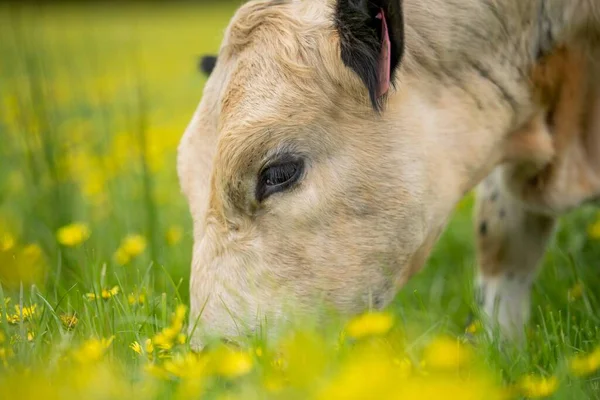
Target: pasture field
(95,244)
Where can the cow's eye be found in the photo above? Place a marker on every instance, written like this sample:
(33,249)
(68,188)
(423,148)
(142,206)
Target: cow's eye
(278,176)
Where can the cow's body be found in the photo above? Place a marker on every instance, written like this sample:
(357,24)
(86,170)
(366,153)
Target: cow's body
(309,188)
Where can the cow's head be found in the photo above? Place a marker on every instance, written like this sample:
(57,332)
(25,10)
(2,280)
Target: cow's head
(311,182)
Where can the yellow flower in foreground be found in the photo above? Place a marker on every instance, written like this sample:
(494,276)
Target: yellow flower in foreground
(131,247)
(173,235)
(230,363)
(92,350)
(594,229)
(583,365)
(148,347)
(576,291)
(69,321)
(171,335)
(73,235)
(446,353)
(136,347)
(538,387)
(369,324)
(7,242)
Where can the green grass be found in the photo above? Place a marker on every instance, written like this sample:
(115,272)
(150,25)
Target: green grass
(94,101)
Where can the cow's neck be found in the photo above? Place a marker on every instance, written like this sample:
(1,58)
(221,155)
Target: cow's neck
(478,58)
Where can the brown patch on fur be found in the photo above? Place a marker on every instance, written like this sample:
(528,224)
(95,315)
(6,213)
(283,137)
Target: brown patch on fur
(563,177)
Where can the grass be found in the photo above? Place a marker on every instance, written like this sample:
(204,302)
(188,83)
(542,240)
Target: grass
(94,102)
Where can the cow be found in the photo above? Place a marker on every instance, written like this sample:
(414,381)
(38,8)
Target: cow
(334,139)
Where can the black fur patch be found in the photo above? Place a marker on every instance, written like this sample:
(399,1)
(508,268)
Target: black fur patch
(360,39)
(207,64)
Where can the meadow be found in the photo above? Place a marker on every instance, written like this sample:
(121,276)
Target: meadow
(95,244)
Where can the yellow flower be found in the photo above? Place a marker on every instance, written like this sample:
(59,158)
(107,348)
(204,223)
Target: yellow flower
(105,294)
(369,324)
(136,347)
(583,365)
(446,353)
(181,338)
(537,387)
(173,235)
(167,338)
(91,296)
(576,291)
(69,321)
(131,247)
(474,327)
(148,346)
(108,293)
(594,229)
(136,299)
(92,350)
(230,363)
(121,257)
(73,235)
(22,314)
(7,242)
(30,336)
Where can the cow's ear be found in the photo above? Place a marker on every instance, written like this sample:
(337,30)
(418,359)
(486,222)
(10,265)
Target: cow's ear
(371,42)
(207,64)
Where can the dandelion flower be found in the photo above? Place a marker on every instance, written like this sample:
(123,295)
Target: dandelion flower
(231,363)
(134,245)
(105,294)
(173,235)
(30,336)
(136,347)
(108,293)
(69,321)
(148,346)
(90,296)
(73,235)
(584,365)
(446,353)
(474,327)
(22,314)
(131,247)
(7,242)
(136,299)
(169,336)
(92,350)
(369,324)
(538,387)
(181,338)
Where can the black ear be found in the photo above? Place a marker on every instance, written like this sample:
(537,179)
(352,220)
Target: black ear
(360,28)
(207,64)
